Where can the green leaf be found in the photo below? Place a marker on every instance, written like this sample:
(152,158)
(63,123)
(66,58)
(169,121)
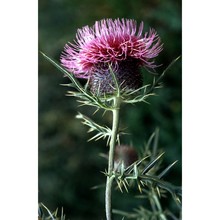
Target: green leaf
(103,132)
(83,93)
(151,164)
(165,171)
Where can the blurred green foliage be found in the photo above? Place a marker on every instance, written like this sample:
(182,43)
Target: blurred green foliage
(69,165)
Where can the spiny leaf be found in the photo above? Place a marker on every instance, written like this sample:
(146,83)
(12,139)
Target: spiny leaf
(151,164)
(173,190)
(165,171)
(103,132)
(142,92)
(50,214)
(119,185)
(155,143)
(130,168)
(84,93)
(73,79)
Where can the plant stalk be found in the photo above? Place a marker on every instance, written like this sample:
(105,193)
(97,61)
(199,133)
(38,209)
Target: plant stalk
(110,177)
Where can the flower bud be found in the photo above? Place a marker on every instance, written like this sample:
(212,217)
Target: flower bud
(124,154)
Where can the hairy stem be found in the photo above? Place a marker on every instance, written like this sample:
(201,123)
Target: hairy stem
(110,177)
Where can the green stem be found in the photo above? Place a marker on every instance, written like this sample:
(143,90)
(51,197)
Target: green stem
(110,177)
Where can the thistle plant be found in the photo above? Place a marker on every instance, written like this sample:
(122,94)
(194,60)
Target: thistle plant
(109,56)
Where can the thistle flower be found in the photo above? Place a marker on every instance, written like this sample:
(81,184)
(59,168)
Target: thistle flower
(115,44)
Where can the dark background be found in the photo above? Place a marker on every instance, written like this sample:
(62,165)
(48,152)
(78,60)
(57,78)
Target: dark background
(69,165)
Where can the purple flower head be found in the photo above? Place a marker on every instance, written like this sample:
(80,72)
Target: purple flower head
(116,43)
